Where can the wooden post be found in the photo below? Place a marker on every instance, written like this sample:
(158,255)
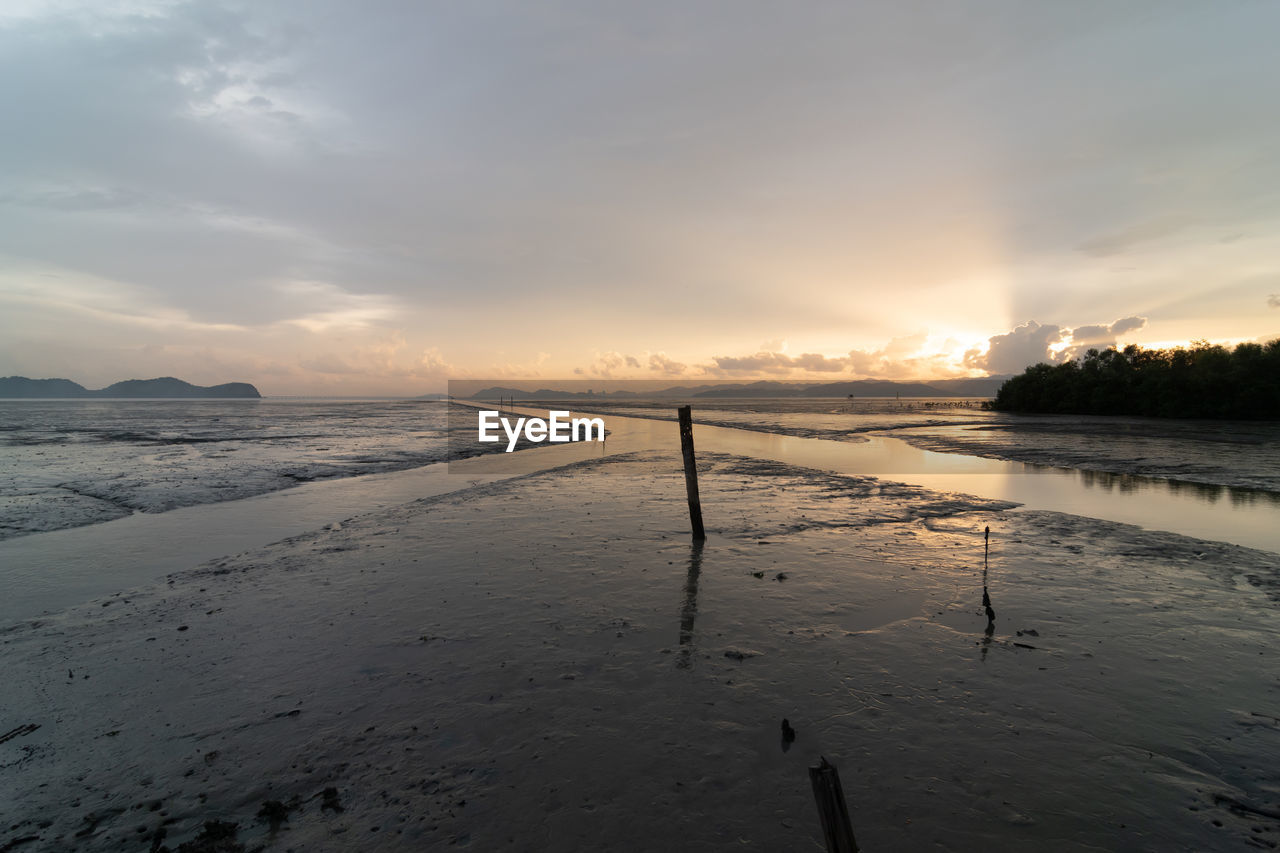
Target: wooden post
(685,414)
(836,830)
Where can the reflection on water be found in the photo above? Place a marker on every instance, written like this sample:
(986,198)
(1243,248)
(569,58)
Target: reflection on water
(1207,492)
(986,595)
(689,610)
(1249,518)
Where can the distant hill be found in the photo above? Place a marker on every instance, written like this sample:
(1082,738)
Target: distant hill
(986,386)
(750,389)
(982,387)
(498,391)
(12,387)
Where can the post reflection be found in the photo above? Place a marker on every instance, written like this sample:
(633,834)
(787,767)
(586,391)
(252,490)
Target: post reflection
(689,611)
(986,595)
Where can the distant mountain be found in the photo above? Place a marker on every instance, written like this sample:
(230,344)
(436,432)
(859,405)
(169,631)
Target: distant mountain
(986,386)
(873,388)
(498,391)
(983,387)
(163,387)
(753,389)
(21,386)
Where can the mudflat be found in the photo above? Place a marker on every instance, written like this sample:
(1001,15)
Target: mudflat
(549,662)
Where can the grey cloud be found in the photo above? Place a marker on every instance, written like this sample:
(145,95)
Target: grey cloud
(1085,338)
(1011,352)
(1128,324)
(1273,301)
(454,157)
(1081,334)
(1031,343)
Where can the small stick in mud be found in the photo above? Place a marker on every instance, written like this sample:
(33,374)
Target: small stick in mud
(685,413)
(829,795)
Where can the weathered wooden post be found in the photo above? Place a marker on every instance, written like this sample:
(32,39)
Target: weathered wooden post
(685,414)
(836,829)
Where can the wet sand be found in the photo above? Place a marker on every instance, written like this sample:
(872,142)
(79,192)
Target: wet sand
(548,663)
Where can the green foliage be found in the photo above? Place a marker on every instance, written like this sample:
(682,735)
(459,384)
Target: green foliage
(1203,381)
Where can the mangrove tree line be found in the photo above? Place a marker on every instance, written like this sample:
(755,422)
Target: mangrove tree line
(1202,381)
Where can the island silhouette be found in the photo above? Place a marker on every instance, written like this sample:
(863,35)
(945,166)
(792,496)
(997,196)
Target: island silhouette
(20,387)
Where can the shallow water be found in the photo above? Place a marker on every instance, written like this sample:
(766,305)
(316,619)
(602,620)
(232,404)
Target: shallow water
(48,571)
(65,463)
(1246,517)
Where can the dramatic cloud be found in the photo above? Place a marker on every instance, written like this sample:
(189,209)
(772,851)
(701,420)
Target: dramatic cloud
(286,184)
(1030,343)
(1033,343)
(1085,338)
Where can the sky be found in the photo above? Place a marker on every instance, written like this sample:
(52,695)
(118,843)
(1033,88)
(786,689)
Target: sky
(373,198)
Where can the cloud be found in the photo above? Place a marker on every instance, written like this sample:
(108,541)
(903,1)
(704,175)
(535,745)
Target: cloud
(326,306)
(433,362)
(904,357)
(659,363)
(777,363)
(615,365)
(1128,324)
(607,364)
(387,356)
(1033,343)
(1273,301)
(107,304)
(1085,338)
(1030,343)
(643,154)
(890,360)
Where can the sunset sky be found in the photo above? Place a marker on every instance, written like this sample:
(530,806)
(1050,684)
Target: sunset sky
(341,198)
